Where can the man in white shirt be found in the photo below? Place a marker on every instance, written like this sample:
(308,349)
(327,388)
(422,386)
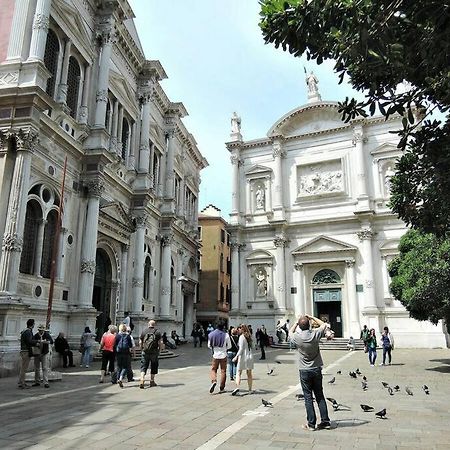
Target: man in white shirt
(219,342)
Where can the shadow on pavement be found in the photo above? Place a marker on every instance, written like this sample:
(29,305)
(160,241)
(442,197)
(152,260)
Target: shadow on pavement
(345,423)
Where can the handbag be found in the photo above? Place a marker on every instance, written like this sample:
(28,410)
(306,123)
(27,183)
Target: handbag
(36,351)
(81,349)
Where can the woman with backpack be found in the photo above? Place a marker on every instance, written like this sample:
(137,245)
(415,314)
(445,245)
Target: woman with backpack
(244,358)
(123,346)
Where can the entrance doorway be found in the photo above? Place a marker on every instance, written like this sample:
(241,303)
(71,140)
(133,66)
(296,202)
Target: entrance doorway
(327,305)
(101,296)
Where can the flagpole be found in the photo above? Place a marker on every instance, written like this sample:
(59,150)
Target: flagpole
(56,248)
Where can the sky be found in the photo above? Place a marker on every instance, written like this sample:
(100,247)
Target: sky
(217,62)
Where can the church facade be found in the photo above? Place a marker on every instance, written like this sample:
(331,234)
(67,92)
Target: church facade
(311,230)
(79,101)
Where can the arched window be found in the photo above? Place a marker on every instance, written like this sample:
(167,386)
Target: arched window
(73,86)
(49,240)
(33,217)
(51,60)
(125,137)
(326,276)
(147,271)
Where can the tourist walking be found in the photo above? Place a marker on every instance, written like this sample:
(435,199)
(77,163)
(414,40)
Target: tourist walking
(43,358)
(219,342)
(310,363)
(372,347)
(123,346)
(195,335)
(364,335)
(151,343)
(108,354)
(244,359)
(86,342)
(232,351)
(27,343)
(387,340)
(63,348)
(263,341)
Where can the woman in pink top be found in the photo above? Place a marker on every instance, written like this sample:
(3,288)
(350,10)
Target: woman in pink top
(107,348)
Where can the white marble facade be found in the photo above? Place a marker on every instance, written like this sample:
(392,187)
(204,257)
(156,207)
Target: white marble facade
(74,82)
(311,231)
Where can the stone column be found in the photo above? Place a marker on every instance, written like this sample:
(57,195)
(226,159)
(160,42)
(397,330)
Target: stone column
(299,299)
(361,179)
(170,174)
(26,142)
(165,286)
(40,29)
(353,306)
(365,236)
(280,243)
(386,279)
(89,244)
(234,275)
(235,164)
(84,109)
(123,303)
(179,293)
(115,122)
(182,188)
(248,198)
(138,272)
(106,34)
(39,245)
(144,143)
(21,30)
(119,131)
(131,162)
(62,87)
(278,154)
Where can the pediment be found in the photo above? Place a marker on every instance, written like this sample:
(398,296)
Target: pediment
(315,118)
(386,149)
(324,244)
(258,170)
(122,89)
(116,213)
(259,257)
(73,19)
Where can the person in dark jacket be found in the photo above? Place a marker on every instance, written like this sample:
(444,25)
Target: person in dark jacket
(263,341)
(42,359)
(27,342)
(123,346)
(63,348)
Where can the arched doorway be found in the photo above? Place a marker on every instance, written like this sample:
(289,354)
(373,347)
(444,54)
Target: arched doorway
(101,297)
(327,295)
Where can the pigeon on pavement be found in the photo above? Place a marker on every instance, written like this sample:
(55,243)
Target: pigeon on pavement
(425,389)
(266,403)
(353,374)
(332,380)
(278,362)
(397,388)
(270,372)
(390,390)
(386,385)
(408,391)
(364,385)
(366,408)
(381,414)
(339,372)
(334,403)
(364,378)
(357,371)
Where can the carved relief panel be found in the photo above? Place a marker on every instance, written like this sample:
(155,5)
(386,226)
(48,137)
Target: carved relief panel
(324,178)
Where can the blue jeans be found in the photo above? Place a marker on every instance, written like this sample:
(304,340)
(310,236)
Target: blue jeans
(123,362)
(372,355)
(311,381)
(231,364)
(86,359)
(387,349)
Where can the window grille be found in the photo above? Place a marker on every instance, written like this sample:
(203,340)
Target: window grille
(125,137)
(73,86)
(147,271)
(51,60)
(49,239)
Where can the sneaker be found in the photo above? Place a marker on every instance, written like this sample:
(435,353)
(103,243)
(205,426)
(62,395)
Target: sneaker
(46,385)
(235,391)
(36,383)
(222,391)
(324,426)
(372,365)
(232,378)
(87,367)
(153,384)
(81,365)
(213,386)
(119,382)
(308,427)
(101,381)
(381,364)
(23,386)
(141,385)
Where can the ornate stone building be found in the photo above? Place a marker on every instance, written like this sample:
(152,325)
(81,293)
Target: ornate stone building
(75,84)
(311,231)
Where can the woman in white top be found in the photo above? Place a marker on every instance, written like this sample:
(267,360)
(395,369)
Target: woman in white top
(244,358)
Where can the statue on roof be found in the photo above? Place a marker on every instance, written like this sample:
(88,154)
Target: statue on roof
(313,91)
(235,123)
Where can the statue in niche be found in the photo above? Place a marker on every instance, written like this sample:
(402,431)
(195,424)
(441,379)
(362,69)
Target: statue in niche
(261,283)
(387,181)
(235,123)
(260,196)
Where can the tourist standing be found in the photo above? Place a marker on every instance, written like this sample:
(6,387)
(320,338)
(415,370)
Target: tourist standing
(195,335)
(244,359)
(108,354)
(27,343)
(263,341)
(123,346)
(86,342)
(364,335)
(151,344)
(219,342)
(42,359)
(310,363)
(387,340)
(62,347)
(372,347)
(232,351)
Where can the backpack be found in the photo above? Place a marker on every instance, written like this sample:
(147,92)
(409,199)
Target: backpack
(124,344)
(150,343)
